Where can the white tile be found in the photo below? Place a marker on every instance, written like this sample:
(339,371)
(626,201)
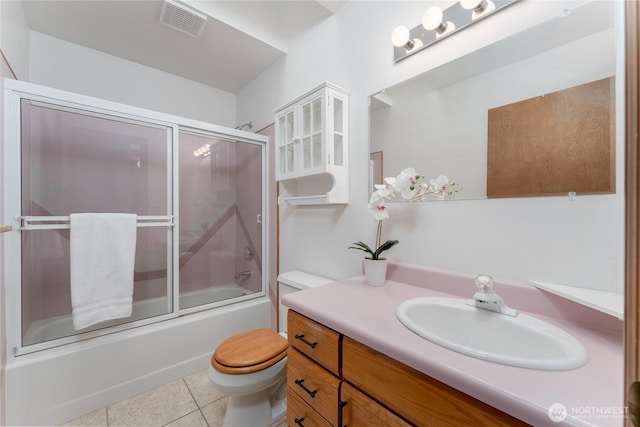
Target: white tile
(282,422)
(202,389)
(94,419)
(194,419)
(214,412)
(154,408)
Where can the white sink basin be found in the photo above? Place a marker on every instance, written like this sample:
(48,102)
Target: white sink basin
(521,341)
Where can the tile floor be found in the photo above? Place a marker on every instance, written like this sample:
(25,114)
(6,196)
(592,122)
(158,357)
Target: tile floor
(191,401)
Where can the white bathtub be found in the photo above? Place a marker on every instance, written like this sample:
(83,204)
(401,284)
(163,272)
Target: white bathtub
(60,384)
(62,326)
(211,295)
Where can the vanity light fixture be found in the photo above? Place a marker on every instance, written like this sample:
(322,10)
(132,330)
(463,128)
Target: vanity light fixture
(438,23)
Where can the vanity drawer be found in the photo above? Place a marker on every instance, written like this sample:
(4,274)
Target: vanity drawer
(299,414)
(421,399)
(316,341)
(359,410)
(315,385)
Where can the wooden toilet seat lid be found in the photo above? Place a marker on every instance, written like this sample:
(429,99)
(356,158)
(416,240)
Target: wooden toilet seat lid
(250,351)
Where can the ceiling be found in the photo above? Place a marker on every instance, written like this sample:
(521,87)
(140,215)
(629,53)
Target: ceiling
(240,39)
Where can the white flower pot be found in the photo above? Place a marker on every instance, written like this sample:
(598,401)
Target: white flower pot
(375,271)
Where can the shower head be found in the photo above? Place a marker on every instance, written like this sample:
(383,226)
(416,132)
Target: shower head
(245,126)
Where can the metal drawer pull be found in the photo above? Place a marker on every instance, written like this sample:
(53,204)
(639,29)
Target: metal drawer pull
(310,344)
(341,405)
(312,393)
(299,421)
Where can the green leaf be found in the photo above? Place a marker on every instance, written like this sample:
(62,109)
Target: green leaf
(383,247)
(363,247)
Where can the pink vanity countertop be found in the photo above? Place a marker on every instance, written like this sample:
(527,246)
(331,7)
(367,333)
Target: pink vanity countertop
(592,395)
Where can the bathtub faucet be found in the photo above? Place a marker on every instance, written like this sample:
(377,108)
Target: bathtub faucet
(245,273)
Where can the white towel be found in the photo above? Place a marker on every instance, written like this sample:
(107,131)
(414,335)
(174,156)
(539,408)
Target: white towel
(102,249)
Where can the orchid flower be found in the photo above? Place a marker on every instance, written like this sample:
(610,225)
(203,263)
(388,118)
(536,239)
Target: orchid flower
(410,186)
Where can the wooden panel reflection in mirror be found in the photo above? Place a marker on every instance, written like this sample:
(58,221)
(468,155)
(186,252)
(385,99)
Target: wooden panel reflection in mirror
(554,144)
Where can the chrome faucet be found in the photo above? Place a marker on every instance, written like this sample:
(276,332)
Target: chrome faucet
(243,274)
(487,299)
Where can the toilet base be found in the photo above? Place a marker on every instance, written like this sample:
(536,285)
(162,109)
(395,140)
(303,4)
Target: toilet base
(256,409)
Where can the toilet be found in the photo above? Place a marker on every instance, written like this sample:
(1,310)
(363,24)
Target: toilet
(251,367)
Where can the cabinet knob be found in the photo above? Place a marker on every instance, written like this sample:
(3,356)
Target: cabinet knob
(299,421)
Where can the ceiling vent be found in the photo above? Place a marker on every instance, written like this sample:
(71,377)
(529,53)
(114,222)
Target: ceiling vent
(182,18)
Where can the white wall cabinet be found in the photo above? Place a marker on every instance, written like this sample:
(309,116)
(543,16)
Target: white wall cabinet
(312,139)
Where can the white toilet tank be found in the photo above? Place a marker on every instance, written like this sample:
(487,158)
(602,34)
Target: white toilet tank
(293,281)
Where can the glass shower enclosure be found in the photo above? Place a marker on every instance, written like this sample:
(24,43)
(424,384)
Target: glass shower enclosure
(198,191)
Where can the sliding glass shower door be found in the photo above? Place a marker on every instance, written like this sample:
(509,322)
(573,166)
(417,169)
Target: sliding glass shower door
(220,219)
(75,161)
(197,190)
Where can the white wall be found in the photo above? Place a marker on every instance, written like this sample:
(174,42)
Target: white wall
(14,37)
(14,44)
(543,238)
(71,67)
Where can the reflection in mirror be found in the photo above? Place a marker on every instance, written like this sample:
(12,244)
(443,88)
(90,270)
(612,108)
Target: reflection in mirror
(438,122)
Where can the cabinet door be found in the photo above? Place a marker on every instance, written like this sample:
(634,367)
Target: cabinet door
(299,414)
(310,131)
(314,340)
(286,143)
(359,410)
(422,400)
(337,128)
(316,386)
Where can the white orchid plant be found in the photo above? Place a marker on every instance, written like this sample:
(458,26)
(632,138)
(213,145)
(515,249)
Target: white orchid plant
(411,187)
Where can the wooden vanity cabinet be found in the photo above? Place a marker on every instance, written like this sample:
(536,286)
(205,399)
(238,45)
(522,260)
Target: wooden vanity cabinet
(345,383)
(420,399)
(314,340)
(313,384)
(359,410)
(301,414)
(313,379)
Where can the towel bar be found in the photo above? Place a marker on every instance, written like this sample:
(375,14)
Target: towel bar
(62,222)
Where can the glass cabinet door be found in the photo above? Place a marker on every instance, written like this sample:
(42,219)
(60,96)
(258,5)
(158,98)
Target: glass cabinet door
(286,156)
(311,134)
(338,131)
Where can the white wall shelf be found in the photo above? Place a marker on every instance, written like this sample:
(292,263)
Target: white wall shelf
(312,146)
(608,302)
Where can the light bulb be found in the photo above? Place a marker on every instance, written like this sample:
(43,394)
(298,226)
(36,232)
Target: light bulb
(400,36)
(432,19)
(479,7)
(417,43)
(470,4)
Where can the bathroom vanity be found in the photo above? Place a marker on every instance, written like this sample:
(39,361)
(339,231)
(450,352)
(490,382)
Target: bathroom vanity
(333,384)
(353,363)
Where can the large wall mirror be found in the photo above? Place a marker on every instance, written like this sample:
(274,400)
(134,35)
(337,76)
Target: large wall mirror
(438,122)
